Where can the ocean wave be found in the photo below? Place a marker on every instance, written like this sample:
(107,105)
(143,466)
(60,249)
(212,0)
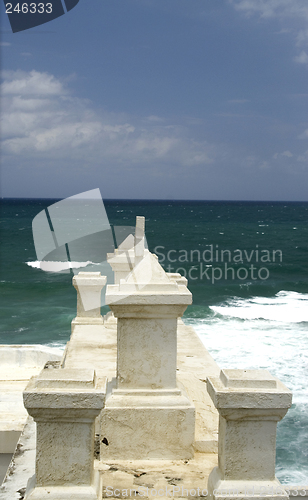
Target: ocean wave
(267,333)
(51,266)
(285,307)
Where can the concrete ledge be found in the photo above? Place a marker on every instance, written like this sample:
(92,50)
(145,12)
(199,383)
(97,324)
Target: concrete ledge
(22,466)
(27,356)
(18,363)
(66,492)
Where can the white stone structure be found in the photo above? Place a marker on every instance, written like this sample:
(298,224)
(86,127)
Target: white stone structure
(139,239)
(178,278)
(64,404)
(89,288)
(147,415)
(129,253)
(159,427)
(18,363)
(250,403)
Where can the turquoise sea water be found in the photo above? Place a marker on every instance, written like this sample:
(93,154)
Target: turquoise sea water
(247,266)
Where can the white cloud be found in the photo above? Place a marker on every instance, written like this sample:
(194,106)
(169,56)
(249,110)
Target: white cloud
(303,157)
(285,154)
(154,118)
(41,119)
(30,83)
(265,165)
(304,135)
(5,44)
(292,15)
(302,37)
(273,8)
(302,58)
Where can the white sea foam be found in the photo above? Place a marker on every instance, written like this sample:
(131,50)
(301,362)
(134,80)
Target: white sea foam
(57,345)
(267,333)
(272,336)
(285,307)
(54,267)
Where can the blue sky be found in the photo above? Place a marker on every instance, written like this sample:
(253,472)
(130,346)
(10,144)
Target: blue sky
(159,99)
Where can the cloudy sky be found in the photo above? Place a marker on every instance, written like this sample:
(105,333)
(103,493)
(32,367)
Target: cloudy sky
(171,99)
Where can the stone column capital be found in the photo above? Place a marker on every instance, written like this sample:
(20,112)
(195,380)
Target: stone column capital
(148,285)
(68,394)
(85,279)
(249,394)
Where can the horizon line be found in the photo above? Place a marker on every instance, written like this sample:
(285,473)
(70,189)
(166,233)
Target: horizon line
(158,199)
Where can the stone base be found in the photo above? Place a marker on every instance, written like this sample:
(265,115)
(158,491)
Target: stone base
(91,492)
(225,489)
(147,425)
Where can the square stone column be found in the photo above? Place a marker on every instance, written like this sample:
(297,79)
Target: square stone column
(64,404)
(147,415)
(89,289)
(250,403)
(139,239)
(122,260)
(129,253)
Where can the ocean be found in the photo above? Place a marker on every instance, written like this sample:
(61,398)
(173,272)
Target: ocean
(247,268)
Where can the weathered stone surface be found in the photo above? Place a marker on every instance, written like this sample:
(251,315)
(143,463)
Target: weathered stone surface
(64,403)
(18,363)
(89,288)
(129,253)
(259,395)
(250,402)
(147,415)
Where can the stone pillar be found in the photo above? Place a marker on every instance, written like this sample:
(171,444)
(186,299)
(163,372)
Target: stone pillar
(64,404)
(122,260)
(129,253)
(147,415)
(250,403)
(89,288)
(139,239)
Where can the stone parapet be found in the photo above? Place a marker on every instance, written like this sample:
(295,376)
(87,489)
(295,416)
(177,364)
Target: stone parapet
(250,403)
(64,404)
